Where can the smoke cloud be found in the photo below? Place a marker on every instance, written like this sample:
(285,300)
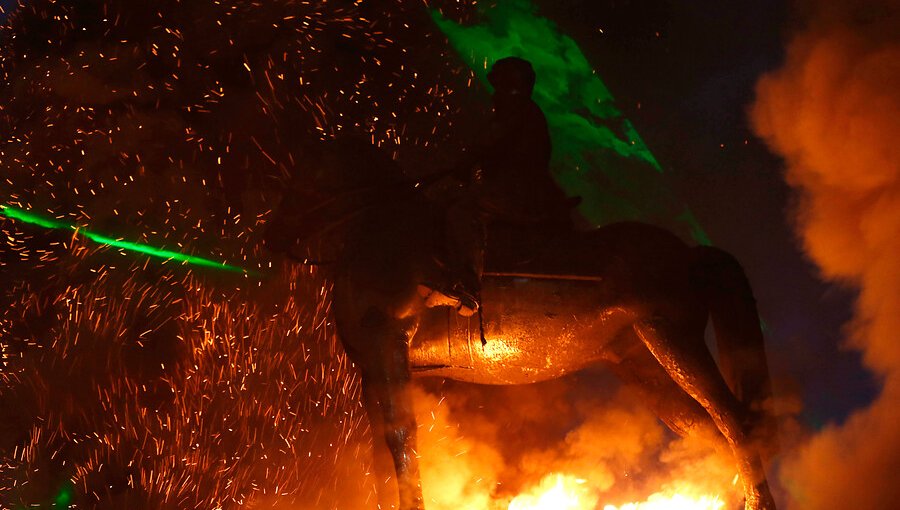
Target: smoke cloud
(833,112)
(483,447)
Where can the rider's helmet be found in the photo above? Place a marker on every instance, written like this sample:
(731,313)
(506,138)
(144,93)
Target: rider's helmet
(512,75)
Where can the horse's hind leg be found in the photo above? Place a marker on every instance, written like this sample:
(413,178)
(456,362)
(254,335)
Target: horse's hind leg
(692,367)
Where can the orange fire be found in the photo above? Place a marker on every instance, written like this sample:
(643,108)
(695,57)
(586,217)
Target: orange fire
(585,472)
(556,492)
(566,492)
(661,501)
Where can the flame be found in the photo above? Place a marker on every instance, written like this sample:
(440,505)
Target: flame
(559,491)
(660,501)
(556,492)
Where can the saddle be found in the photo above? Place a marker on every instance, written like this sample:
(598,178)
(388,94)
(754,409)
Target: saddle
(510,246)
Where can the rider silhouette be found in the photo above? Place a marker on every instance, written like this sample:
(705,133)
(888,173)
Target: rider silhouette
(508,180)
(514,156)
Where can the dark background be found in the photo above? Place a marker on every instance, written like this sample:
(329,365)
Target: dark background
(684,73)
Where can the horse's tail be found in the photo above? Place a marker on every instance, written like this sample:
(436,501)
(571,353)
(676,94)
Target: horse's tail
(739,339)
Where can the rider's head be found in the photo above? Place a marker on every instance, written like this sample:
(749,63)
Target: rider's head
(513,77)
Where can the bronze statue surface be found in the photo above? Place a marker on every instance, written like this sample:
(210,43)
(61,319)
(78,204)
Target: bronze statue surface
(629,296)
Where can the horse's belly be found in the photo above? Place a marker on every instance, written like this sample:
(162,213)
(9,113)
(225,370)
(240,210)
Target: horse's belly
(535,330)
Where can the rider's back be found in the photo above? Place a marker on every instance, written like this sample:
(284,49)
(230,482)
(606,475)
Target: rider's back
(515,167)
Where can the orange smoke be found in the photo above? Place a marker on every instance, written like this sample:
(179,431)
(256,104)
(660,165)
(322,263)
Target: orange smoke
(833,113)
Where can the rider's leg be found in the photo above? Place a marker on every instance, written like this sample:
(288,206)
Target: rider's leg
(466,232)
(462,260)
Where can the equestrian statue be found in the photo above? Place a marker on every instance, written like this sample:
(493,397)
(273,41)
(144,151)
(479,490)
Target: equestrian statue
(495,287)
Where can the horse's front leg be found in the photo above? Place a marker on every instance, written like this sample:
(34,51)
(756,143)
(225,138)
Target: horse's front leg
(386,389)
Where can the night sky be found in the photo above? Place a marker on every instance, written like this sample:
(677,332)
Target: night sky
(685,73)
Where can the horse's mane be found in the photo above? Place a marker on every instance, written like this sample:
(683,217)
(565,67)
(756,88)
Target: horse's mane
(351,163)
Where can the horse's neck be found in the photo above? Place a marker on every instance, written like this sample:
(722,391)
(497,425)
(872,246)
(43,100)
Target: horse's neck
(395,217)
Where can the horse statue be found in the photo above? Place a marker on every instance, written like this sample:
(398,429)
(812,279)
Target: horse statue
(631,297)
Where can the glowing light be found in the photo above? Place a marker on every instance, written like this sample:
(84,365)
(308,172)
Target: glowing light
(661,501)
(34,219)
(499,349)
(566,492)
(556,492)
(64,497)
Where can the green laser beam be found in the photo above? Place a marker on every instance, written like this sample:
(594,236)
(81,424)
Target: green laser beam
(52,224)
(64,497)
(574,99)
(597,152)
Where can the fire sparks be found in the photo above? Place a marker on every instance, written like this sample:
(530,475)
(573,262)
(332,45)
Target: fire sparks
(148,385)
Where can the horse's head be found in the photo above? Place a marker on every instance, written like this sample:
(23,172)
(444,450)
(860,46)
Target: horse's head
(349,162)
(338,184)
